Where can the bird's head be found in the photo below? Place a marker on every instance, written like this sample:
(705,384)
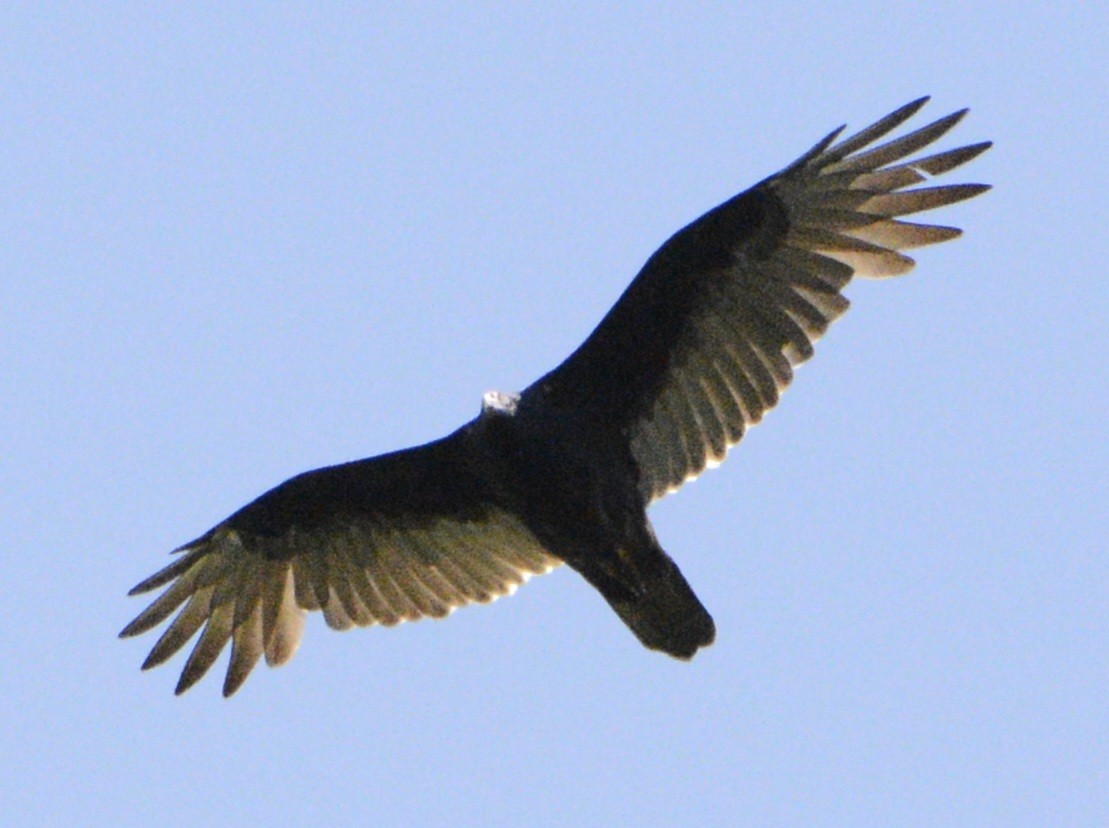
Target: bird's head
(499,403)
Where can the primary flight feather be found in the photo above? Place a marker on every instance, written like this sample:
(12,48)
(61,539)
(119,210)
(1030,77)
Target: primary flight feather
(698,348)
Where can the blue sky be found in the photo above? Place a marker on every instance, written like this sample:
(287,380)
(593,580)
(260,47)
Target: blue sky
(241,244)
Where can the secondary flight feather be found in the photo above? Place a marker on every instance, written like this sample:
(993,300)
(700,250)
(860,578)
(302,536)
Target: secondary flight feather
(698,348)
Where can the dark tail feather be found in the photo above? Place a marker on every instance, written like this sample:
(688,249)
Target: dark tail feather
(661,609)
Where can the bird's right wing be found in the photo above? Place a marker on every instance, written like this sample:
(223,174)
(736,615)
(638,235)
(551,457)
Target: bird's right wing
(705,339)
(407,535)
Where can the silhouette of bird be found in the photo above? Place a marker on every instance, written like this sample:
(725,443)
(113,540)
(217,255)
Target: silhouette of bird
(697,349)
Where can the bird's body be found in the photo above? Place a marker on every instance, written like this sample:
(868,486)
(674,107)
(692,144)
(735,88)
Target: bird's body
(697,349)
(571,477)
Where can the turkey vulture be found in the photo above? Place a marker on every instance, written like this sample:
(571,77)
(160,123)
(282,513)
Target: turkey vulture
(697,349)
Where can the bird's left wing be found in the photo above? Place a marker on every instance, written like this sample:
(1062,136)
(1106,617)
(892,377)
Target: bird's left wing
(407,535)
(706,337)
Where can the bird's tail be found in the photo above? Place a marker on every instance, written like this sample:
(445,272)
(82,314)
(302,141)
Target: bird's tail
(653,598)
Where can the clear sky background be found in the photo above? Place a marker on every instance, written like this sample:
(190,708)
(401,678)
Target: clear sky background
(238,244)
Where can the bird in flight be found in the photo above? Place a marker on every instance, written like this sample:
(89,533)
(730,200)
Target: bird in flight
(697,349)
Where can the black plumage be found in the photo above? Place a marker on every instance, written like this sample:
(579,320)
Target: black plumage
(698,348)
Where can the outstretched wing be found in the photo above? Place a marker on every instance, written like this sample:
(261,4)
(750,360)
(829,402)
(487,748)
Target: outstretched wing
(705,339)
(407,535)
